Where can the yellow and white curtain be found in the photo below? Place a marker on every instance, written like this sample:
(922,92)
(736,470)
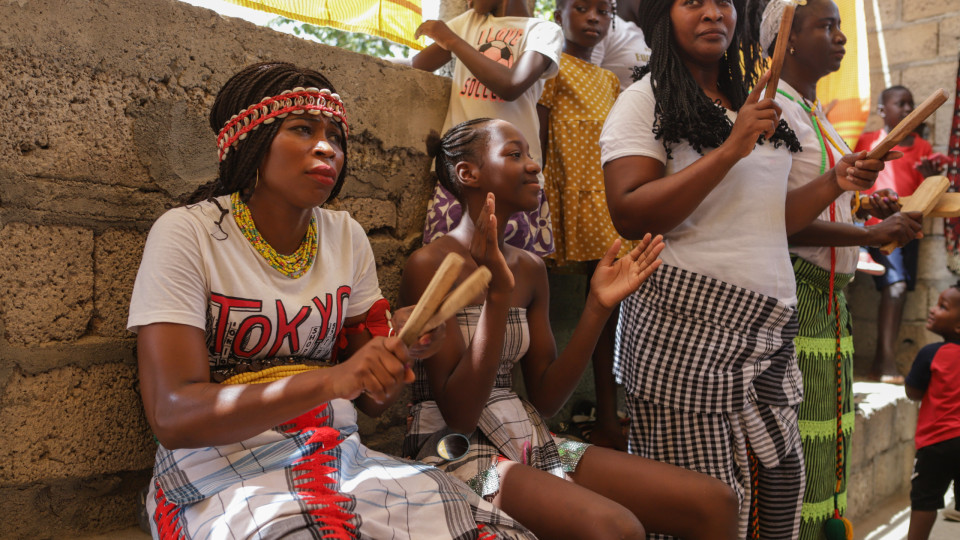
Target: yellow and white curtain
(395,20)
(850,85)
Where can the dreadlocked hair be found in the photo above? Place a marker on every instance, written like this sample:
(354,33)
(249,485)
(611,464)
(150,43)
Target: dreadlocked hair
(238,170)
(683,111)
(462,142)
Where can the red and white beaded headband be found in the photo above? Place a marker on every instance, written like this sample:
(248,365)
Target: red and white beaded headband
(297,101)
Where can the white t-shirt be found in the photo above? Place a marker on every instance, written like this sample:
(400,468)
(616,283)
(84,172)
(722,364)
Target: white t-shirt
(621,50)
(738,233)
(504,39)
(196,274)
(809,164)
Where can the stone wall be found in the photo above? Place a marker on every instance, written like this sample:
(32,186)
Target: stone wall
(914,43)
(104,105)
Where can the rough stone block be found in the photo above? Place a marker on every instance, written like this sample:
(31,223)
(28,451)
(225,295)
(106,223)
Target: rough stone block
(888,11)
(904,44)
(913,336)
(906,421)
(923,80)
(72,423)
(932,266)
(950,35)
(916,306)
(922,9)
(372,213)
(881,439)
(116,259)
(46,274)
(73,508)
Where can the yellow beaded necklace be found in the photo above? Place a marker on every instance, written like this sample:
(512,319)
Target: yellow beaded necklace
(293,265)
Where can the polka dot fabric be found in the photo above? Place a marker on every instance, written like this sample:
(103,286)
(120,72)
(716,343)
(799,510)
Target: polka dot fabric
(579,98)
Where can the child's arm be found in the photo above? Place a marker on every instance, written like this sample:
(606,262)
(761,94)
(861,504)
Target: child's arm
(550,379)
(899,228)
(543,113)
(918,379)
(432,58)
(507,83)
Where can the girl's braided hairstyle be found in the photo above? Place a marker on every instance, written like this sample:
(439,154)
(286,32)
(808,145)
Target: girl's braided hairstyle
(238,170)
(683,111)
(462,142)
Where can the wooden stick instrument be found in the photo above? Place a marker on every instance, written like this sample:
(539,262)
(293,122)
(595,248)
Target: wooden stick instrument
(909,124)
(948,205)
(780,49)
(432,297)
(432,309)
(923,200)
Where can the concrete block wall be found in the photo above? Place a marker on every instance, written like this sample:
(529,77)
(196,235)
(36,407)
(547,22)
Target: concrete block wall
(915,43)
(104,105)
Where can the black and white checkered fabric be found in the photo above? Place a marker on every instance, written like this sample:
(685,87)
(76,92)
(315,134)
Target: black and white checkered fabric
(708,366)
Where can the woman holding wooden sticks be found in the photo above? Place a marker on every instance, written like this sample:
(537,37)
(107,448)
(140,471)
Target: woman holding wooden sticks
(238,316)
(557,488)
(705,346)
(824,254)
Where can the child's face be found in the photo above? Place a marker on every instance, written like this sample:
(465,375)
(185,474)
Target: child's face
(896,106)
(944,317)
(702,29)
(585,22)
(507,168)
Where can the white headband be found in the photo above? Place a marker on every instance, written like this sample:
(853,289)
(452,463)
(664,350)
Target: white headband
(770,22)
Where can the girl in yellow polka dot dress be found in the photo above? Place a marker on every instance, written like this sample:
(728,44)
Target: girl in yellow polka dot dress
(572,109)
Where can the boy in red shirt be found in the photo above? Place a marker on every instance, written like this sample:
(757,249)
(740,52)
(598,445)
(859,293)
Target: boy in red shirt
(902,176)
(935,379)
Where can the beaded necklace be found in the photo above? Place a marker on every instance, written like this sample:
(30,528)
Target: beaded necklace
(293,265)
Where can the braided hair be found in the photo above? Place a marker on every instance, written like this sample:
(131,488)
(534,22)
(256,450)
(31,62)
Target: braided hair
(683,111)
(462,142)
(238,170)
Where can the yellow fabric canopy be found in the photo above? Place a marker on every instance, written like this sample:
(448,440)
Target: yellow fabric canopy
(395,20)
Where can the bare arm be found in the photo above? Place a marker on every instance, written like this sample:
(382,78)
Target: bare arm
(914,393)
(507,83)
(187,410)
(900,228)
(642,199)
(431,58)
(550,379)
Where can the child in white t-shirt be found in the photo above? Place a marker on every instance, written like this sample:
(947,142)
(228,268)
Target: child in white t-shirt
(504,57)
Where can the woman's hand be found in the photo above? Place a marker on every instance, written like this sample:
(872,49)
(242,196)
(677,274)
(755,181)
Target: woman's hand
(899,228)
(855,172)
(615,280)
(930,167)
(380,369)
(757,117)
(485,249)
(438,31)
(427,344)
(883,204)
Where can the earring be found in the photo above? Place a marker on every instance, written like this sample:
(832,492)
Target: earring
(792,51)
(257,181)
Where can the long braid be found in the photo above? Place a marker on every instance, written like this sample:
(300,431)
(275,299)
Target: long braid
(238,170)
(462,142)
(683,111)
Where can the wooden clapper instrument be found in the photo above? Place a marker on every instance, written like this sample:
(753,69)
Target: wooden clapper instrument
(435,306)
(927,196)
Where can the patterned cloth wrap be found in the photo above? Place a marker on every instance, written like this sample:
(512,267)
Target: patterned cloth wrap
(529,231)
(707,367)
(509,427)
(313,478)
(817,356)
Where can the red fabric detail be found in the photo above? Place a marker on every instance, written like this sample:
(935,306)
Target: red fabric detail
(901,174)
(951,228)
(166,517)
(313,485)
(485,535)
(939,416)
(376,322)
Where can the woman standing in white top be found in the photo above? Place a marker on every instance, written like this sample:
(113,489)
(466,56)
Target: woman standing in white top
(705,346)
